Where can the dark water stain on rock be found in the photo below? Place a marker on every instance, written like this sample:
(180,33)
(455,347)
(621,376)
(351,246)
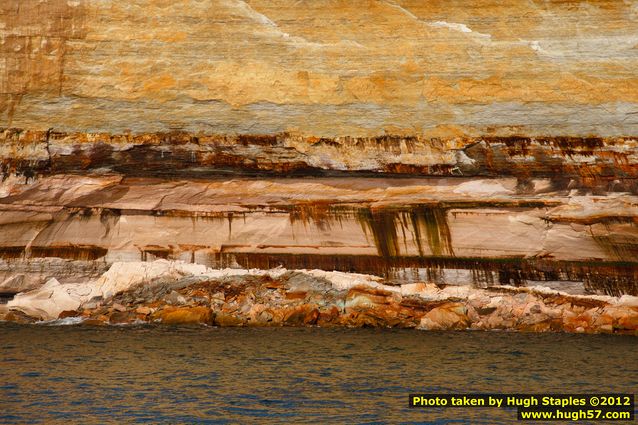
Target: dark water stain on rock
(320,214)
(71,252)
(382,225)
(432,222)
(12,252)
(423,225)
(428,225)
(619,247)
(179,155)
(612,278)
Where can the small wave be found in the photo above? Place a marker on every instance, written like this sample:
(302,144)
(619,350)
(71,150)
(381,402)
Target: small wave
(67,321)
(136,322)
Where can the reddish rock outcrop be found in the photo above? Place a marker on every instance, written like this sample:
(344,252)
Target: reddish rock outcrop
(317,298)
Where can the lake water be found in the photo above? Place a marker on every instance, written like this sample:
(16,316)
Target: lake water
(77,374)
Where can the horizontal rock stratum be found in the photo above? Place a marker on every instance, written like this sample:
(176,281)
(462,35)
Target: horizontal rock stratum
(603,164)
(321,68)
(449,230)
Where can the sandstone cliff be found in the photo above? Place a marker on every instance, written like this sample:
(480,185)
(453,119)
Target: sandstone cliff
(356,68)
(432,142)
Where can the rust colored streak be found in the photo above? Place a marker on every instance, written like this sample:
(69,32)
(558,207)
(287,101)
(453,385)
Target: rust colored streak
(71,252)
(613,278)
(427,224)
(11,252)
(179,154)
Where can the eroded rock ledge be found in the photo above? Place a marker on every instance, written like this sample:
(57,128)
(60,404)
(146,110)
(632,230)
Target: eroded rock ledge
(473,231)
(485,212)
(604,164)
(177,293)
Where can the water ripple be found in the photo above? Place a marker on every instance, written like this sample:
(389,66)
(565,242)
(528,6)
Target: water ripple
(152,374)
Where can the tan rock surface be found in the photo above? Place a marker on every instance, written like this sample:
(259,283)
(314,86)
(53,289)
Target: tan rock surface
(184,315)
(356,67)
(454,231)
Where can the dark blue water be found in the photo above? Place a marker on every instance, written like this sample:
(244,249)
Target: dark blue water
(75,374)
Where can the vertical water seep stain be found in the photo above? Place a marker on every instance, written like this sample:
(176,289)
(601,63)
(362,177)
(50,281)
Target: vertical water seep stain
(323,215)
(432,222)
(428,225)
(382,225)
(620,247)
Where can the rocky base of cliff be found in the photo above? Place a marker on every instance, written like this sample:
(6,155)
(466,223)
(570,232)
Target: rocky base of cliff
(175,293)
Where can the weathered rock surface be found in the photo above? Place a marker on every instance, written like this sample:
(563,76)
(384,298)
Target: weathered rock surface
(178,294)
(603,164)
(53,298)
(322,68)
(449,231)
(428,143)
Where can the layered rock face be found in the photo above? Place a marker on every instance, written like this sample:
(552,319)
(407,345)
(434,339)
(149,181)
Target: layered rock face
(426,143)
(445,230)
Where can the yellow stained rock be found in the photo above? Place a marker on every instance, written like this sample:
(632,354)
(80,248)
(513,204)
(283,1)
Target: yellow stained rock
(447,316)
(184,315)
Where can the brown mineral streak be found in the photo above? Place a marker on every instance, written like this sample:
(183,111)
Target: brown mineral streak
(610,164)
(613,278)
